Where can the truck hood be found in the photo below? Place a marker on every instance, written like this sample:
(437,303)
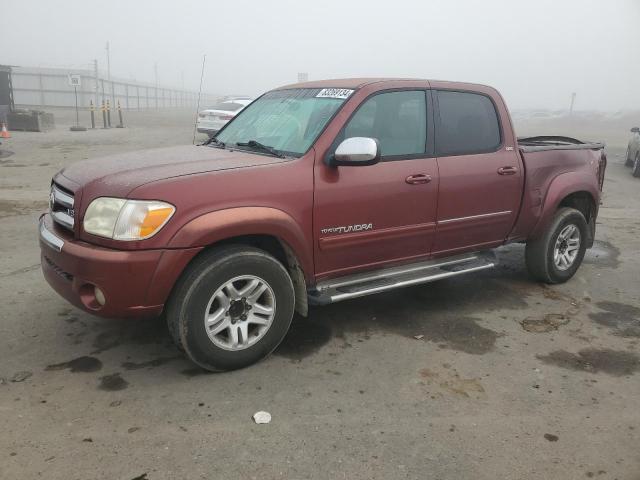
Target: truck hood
(117,175)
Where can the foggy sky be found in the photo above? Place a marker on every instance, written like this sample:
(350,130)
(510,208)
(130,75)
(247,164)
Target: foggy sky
(536,52)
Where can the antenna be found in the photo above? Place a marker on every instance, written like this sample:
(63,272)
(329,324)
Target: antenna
(195,121)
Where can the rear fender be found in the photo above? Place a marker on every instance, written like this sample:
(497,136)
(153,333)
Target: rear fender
(221,225)
(561,187)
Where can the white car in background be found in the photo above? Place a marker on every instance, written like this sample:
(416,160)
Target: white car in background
(212,119)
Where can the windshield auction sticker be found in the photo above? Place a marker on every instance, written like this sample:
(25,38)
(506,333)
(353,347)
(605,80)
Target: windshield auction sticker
(341,93)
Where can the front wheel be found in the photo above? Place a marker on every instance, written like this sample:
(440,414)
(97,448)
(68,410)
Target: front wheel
(556,256)
(231,307)
(636,166)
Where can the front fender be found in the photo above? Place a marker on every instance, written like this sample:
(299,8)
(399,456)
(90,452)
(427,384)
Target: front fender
(562,186)
(220,225)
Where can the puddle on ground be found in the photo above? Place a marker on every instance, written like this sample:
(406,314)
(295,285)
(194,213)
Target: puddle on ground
(156,362)
(621,318)
(613,362)
(112,383)
(5,154)
(80,364)
(602,254)
(305,337)
(196,372)
(140,331)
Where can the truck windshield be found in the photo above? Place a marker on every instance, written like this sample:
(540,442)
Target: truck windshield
(286,120)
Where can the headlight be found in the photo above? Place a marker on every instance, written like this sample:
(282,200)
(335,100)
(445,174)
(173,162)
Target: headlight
(121,219)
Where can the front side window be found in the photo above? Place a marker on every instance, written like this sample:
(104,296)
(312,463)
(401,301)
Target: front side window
(466,123)
(286,120)
(398,120)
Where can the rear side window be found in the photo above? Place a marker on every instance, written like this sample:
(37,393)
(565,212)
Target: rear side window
(398,120)
(466,123)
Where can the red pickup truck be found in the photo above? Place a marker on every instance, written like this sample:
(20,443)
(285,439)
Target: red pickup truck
(315,193)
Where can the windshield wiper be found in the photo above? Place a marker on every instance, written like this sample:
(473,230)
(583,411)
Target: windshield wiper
(260,146)
(215,141)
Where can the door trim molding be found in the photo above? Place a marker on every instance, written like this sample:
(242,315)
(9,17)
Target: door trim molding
(473,217)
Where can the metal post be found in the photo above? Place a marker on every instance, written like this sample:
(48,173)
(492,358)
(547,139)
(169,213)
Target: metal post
(75,92)
(41,89)
(77,127)
(108,113)
(155,68)
(104,115)
(120,125)
(93,115)
(109,71)
(95,73)
(573,99)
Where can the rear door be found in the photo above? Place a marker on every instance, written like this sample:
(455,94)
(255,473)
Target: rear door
(369,216)
(480,176)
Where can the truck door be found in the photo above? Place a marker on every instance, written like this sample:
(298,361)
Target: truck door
(369,216)
(480,173)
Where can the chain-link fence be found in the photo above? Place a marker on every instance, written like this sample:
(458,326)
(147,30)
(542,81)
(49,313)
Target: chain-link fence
(49,87)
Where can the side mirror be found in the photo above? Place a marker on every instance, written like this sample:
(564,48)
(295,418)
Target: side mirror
(635,130)
(356,152)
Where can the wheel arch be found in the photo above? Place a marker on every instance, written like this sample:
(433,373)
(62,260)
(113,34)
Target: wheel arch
(268,229)
(573,190)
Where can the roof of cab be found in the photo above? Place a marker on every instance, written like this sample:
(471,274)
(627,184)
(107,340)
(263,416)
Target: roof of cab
(356,83)
(339,83)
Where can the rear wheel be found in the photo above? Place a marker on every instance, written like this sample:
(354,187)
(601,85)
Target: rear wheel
(231,308)
(636,166)
(556,256)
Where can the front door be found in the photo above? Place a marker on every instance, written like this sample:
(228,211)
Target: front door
(369,216)
(480,176)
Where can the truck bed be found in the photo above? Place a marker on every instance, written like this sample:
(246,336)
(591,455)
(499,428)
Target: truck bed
(552,142)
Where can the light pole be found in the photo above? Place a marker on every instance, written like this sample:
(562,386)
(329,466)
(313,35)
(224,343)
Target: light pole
(109,72)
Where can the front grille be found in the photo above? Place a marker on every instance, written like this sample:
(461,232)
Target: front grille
(66,275)
(61,206)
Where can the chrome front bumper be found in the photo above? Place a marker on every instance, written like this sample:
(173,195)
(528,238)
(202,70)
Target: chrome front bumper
(49,238)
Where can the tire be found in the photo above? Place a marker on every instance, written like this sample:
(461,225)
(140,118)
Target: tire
(540,253)
(628,161)
(226,280)
(636,166)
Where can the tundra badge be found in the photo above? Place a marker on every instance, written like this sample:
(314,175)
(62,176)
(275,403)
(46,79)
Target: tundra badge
(349,228)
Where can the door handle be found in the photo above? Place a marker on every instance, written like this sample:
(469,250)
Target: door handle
(508,170)
(418,179)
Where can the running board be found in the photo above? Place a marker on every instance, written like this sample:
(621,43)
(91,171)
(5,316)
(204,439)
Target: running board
(359,285)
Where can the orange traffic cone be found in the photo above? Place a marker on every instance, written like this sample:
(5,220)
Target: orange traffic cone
(4,133)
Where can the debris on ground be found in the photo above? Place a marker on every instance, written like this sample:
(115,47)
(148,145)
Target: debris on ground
(418,337)
(21,376)
(262,417)
(548,323)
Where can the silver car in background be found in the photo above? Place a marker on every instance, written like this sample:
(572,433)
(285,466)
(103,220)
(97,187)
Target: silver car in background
(213,118)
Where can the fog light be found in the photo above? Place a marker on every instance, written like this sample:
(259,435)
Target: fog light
(99,296)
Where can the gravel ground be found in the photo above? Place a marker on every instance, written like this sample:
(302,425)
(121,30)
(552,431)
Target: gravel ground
(507,378)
